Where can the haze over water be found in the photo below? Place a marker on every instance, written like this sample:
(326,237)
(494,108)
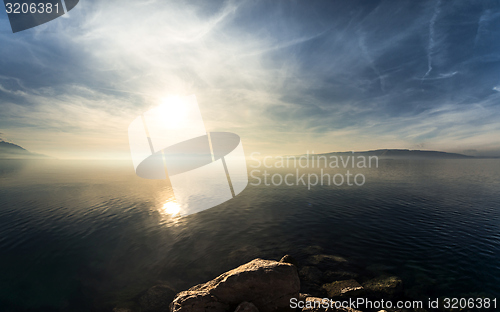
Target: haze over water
(82,235)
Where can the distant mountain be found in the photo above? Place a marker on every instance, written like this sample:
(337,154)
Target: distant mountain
(12,151)
(402,154)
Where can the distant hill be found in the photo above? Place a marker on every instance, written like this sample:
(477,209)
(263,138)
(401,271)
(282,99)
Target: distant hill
(402,154)
(12,151)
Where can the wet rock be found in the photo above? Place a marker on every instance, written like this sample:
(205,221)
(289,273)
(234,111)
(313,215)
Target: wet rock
(302,296)
(347,310)
(197,301)
(317,304)
(347,288)
(384,287)
(156,299)
(246,307)
(311,280)
(311,274)
(289,259)
(318,259)
(327,262)
(269,285)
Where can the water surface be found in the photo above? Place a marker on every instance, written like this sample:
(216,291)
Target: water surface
(83,235)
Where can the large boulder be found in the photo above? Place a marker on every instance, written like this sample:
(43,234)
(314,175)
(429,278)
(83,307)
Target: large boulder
(197,301)
(269,285)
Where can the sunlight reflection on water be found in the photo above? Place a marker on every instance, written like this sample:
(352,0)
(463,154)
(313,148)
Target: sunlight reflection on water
(171,208)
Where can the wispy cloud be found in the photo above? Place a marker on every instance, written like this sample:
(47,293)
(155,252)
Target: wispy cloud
(432,42)
(287,76)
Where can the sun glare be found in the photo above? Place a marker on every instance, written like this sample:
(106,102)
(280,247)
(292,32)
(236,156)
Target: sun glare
(171,208)
(172,110)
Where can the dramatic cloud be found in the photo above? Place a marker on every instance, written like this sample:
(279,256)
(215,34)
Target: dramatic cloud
(287,76)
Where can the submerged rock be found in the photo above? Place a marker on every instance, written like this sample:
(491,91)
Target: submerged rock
(310,280)
(156,299)
(314,304)
(246,307)
(384,287)
(327,262)
(269,285)
(319,259)
(347,288)
(311,274)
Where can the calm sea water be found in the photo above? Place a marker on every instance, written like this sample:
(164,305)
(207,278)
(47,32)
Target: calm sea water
(83,235)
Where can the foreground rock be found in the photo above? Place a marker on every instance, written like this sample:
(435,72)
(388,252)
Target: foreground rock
(341,289)
(267,284)
(314,304)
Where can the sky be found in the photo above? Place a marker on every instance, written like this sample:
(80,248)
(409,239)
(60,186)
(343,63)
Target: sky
(287,76)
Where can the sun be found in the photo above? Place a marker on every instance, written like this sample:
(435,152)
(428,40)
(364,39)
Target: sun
(172,111)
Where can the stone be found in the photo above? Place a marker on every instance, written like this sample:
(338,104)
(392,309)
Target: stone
(302,296)
(384,287)
(156,299)
(317,304)
(268,284)
(197,301)
(289,259)
(311,280)
(317,259)
(327,262)
(246,307)
(311,274)
(347,288)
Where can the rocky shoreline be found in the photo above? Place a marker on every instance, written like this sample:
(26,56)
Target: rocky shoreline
(269,285)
